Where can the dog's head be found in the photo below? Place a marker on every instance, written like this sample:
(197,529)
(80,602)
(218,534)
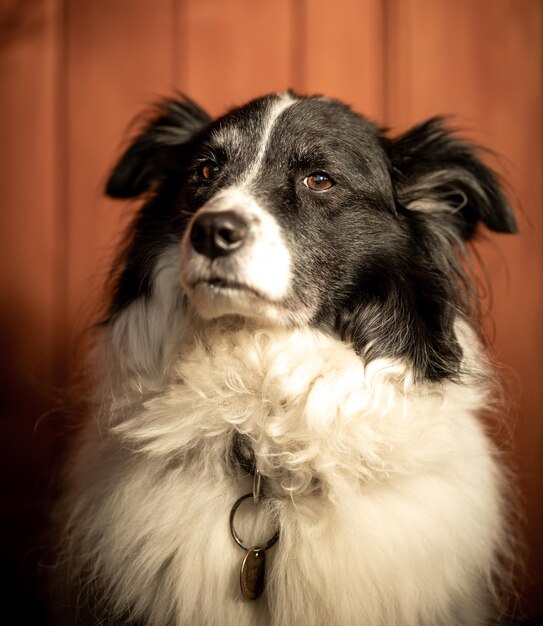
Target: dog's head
(297,211)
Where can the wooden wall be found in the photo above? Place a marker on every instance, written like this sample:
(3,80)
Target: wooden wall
(73,73)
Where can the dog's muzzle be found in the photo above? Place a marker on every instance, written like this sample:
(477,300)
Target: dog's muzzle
(235,260)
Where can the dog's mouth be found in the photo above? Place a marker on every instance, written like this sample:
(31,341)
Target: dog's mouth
(217,285)
(215,294)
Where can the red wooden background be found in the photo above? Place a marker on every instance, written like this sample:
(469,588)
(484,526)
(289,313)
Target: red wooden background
(72,75)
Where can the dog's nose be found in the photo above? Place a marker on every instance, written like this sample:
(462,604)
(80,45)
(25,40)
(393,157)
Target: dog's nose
(218,233)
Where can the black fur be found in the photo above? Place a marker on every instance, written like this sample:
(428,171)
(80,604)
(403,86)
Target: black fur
(374,257)
(430,162)
(155,162)
(155,152)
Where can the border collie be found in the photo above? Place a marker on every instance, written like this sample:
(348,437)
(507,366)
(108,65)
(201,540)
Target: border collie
(291,322)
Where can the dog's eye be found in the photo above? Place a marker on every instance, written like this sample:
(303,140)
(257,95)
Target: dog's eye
(318,181)
(208,170)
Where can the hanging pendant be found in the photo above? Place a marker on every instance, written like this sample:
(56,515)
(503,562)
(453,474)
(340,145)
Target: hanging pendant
(252,575)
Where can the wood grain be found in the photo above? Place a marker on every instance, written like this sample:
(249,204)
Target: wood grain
(31,301)
(344,55)
(30,228)
(233,51)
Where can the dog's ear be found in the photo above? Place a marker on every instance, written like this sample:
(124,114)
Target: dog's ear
(174,124)
(437,173)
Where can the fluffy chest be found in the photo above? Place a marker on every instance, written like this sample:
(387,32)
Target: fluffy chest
(309,408)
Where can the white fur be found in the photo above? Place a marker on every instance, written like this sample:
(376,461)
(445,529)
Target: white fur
(387,493)
(277,107)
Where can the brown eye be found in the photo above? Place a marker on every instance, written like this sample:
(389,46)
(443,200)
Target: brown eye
(208,170)
(318,181)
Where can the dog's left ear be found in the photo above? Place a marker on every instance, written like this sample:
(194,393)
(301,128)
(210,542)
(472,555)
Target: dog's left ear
(158,147)
(437,173)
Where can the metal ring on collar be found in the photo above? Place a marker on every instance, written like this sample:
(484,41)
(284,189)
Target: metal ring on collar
(235,535)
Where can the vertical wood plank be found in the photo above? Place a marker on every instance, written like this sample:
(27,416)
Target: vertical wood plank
(483,62)
(29,224)
(29,200)
(30,285)
(233,51)
(119,59)
(344,55)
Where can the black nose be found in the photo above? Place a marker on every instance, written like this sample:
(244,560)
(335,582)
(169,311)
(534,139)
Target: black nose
(219,233)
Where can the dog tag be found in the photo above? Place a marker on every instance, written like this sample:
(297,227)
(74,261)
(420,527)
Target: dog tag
(253,573)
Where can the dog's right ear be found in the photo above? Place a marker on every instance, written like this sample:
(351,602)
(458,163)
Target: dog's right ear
(145,162)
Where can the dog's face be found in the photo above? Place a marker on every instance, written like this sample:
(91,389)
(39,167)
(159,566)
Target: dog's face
(287,198)
(297,211)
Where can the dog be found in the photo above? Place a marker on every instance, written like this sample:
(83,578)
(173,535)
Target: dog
(285,425)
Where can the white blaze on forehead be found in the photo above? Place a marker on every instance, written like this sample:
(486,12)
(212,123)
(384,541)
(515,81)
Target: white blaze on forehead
(283,102)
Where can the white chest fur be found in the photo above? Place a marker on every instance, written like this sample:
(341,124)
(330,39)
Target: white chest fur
(387,493)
